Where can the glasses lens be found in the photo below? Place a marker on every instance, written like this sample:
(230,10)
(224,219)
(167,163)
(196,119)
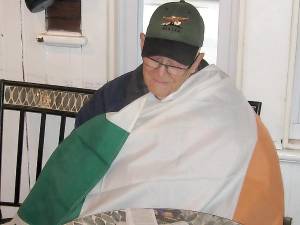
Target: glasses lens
(173,70)
(151,63)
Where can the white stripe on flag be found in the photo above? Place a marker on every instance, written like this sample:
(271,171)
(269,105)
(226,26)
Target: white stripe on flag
(127,116)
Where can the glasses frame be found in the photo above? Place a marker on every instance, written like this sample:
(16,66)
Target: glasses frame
(166,66)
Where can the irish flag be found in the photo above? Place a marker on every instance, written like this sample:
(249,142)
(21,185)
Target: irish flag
(202,148)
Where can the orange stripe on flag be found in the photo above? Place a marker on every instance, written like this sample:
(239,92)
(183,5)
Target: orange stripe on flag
(261,199)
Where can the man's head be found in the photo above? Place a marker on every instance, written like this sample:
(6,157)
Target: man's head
(169,49)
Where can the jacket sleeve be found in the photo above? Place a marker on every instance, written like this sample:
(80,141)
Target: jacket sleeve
(114,95)
(92,108)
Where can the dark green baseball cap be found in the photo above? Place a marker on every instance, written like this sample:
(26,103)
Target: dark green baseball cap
(175,30)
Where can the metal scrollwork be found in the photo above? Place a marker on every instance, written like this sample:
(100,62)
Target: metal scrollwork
(51,99)
(44,99)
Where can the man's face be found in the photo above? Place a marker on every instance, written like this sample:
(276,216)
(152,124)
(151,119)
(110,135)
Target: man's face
(163,75)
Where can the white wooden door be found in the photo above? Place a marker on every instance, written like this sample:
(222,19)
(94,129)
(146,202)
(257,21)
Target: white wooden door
(23,58)
(86,66)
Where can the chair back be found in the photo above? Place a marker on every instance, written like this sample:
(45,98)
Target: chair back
(30,98)
(287,220)
(256,106)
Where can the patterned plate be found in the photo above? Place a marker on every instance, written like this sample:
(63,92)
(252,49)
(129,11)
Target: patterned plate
(163,216)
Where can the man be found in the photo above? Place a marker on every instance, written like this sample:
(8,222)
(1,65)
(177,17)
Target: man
(166,135)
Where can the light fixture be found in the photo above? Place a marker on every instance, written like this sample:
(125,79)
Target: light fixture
(38,5)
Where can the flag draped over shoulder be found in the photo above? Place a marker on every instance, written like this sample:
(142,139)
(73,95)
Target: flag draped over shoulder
(75,167)
(191,150)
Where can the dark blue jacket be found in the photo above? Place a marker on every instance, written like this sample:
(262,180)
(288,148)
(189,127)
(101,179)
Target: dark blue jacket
(116,94)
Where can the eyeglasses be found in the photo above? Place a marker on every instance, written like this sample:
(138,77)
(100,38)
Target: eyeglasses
(173,70)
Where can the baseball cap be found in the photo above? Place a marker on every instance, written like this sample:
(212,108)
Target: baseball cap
(176,31)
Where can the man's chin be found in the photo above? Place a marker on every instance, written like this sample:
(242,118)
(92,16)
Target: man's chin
(160,90)
(159,95)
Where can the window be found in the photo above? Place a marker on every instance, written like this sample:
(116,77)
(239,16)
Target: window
(295,117)
(295,112)
(291,138)
(63,25)
(221,39)
(64,15)
(209,10)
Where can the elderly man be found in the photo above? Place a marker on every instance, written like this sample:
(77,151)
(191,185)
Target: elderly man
(174,133)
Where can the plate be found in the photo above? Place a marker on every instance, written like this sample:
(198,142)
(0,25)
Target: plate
(160,216)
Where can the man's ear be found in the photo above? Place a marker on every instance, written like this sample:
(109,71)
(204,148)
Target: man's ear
(142,40)
(197,62)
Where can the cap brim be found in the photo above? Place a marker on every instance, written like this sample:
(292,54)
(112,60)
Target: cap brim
(178,51)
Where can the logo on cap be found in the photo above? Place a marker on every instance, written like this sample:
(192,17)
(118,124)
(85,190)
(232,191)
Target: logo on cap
(174,20)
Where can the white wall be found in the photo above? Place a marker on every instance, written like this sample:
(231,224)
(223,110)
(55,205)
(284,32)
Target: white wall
(265,64)
(290,172)
(10,40)
(265,59)
(128,29)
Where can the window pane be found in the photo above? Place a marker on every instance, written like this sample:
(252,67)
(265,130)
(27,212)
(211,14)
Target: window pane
(295,115)
(64,15)
(209,10)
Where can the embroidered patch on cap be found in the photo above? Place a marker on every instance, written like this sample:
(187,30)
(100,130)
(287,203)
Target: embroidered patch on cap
(174,20)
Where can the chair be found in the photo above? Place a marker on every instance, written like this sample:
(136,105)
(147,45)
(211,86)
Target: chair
(287,220)
(256,106)
(40,99)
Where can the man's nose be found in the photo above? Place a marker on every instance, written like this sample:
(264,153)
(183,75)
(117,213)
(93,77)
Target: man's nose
(162,70)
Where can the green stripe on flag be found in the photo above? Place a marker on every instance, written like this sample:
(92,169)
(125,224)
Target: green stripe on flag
(72,171)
